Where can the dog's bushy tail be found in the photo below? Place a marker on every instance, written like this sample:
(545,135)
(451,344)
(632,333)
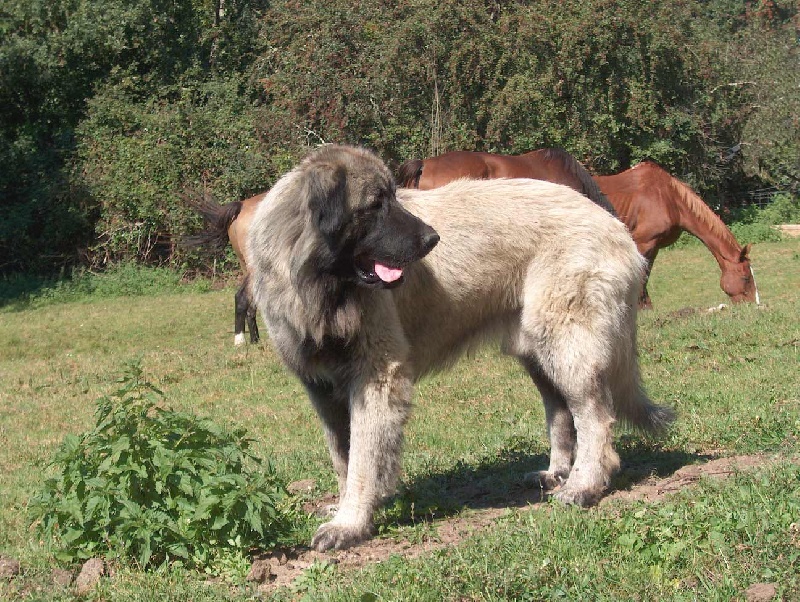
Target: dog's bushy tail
(639,412)
(633,407)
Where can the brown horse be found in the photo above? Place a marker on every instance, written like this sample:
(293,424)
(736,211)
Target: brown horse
(550,164)
(230,222)
(655,206)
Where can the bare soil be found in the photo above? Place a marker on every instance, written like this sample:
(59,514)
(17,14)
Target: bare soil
(792,230)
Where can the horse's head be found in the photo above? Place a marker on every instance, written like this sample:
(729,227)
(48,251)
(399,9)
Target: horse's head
(738,279)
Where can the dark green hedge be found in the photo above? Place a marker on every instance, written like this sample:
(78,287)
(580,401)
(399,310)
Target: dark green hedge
(112,108)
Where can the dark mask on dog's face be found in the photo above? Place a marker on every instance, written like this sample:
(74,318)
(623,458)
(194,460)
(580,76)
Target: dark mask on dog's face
(391,239)
(372,239)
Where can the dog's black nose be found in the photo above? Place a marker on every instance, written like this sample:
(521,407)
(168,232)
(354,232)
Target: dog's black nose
(430,239)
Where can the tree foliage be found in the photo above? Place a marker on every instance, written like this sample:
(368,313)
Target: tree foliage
(112,108)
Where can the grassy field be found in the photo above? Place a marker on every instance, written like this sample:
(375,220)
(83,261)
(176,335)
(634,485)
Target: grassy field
(733,376)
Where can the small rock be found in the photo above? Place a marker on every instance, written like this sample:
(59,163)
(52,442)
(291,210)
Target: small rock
(760,592)
(260,571)
(61,577)
(9,568)
(90,574)
(304,486)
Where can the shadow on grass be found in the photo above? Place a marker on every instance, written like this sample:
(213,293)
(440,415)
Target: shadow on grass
(498,482)
(17,290)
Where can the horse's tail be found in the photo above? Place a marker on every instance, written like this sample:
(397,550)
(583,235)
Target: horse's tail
(217,218)
(588,187)
(409,173)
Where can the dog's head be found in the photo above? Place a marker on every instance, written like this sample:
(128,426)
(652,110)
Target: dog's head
(369,238)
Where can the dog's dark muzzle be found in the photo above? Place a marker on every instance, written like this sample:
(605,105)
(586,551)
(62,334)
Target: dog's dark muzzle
(400,240)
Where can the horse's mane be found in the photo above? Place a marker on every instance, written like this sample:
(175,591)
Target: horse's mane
(574,167)
(692,201)
(408,174)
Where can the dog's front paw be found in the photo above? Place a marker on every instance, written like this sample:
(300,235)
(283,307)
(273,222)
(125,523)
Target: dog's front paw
(578,497)
(332,536)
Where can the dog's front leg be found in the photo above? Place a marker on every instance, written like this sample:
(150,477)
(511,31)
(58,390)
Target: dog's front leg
(333,408)
(379,407)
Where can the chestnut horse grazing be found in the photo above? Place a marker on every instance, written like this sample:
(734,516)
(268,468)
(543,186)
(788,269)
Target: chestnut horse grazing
(655,206)
(230,222)
(549,164)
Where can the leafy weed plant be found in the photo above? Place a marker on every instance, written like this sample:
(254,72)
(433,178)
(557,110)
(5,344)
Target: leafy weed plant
(156,485)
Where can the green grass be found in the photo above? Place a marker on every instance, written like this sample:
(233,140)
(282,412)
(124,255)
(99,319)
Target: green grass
(734,377)
(122,280)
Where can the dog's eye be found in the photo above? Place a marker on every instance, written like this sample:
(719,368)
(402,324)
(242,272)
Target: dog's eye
(378,203)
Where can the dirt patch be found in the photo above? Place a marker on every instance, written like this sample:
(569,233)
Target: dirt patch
(654,489)
(286,565)
(792,230)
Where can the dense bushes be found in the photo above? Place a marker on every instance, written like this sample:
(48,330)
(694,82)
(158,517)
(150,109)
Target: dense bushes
(137,157)
(114,108)
(611,82)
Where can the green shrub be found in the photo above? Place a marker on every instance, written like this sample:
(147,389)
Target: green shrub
(135,156)
(782,210)
(752,224)
(153,485)
(753,233)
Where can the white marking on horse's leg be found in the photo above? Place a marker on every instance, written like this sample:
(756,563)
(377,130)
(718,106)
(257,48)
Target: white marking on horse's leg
(755,285)
(238,340)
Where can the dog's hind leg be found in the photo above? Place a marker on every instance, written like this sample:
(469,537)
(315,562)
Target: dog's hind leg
(560,429)
(571,355)
(596,461)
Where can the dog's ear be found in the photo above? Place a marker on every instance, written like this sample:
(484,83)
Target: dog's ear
(327,198)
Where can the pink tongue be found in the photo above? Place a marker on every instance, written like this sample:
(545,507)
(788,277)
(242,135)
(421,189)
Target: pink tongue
(386,273)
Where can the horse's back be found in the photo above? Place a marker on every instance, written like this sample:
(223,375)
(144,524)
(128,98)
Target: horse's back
(443,169)
(549,164)
(644,199)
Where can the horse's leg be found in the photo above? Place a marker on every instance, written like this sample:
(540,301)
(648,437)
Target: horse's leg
(251,320)
(644,296)
(241,307)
